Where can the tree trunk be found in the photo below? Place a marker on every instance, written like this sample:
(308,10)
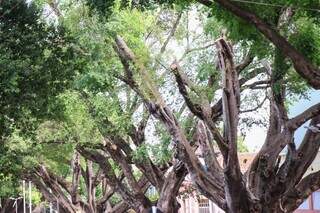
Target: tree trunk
(168,196)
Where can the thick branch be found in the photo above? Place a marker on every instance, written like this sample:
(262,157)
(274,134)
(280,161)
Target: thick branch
(217,107)
(230,109)
(167,200)
(90,186)
(204,139)
(294,198)
(302,65)
(295,166)
(61,181)
(296,122)
(258,83)
(119,157)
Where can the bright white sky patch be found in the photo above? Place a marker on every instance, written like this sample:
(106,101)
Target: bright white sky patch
(255,138)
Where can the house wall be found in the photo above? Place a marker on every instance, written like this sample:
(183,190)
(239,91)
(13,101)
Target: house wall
(312,204)
(191,205)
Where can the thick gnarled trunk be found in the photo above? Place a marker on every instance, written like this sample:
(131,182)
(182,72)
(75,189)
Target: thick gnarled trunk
(168,195)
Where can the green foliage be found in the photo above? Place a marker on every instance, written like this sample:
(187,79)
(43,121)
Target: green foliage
(302,31)
(297,88)
(32,57)
(237,30)
(9,183)
(52,132)
(16,155)
(141,153)
(132,25)
(81,126)
(9,173)
(241,145)
(162,151)
(36,196)
(115,167)
(97,57)
(153,197)
(110,116)
(96,38)
(306,38)
(105,8)
(213,27)
(37,63)
(115,198)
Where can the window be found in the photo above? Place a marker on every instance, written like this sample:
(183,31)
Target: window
(204,206)
(316,200)
(304,205)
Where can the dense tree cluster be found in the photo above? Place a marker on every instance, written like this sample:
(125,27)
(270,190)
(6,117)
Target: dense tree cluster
(102,100)
(36,64)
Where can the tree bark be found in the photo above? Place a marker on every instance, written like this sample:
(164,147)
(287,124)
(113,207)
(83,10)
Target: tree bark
(75,179)
(168,196)
(234,184)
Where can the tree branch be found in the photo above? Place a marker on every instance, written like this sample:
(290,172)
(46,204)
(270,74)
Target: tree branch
(194,50)
(160,110)
(75,178)
(257,83)
(302,158)
(245,63)
(294,198)
(63,200)
(230,110)
(135,201)
(296,122)
(201,110)
(259,105)
(167,199)
(171,34)
(302,65)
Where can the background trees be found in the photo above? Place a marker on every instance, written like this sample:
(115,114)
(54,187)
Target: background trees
(36,65)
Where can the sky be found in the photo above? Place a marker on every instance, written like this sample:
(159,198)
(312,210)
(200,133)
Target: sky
(255,137)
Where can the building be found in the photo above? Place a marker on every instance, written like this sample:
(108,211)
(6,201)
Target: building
(203,205)
(199,204)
